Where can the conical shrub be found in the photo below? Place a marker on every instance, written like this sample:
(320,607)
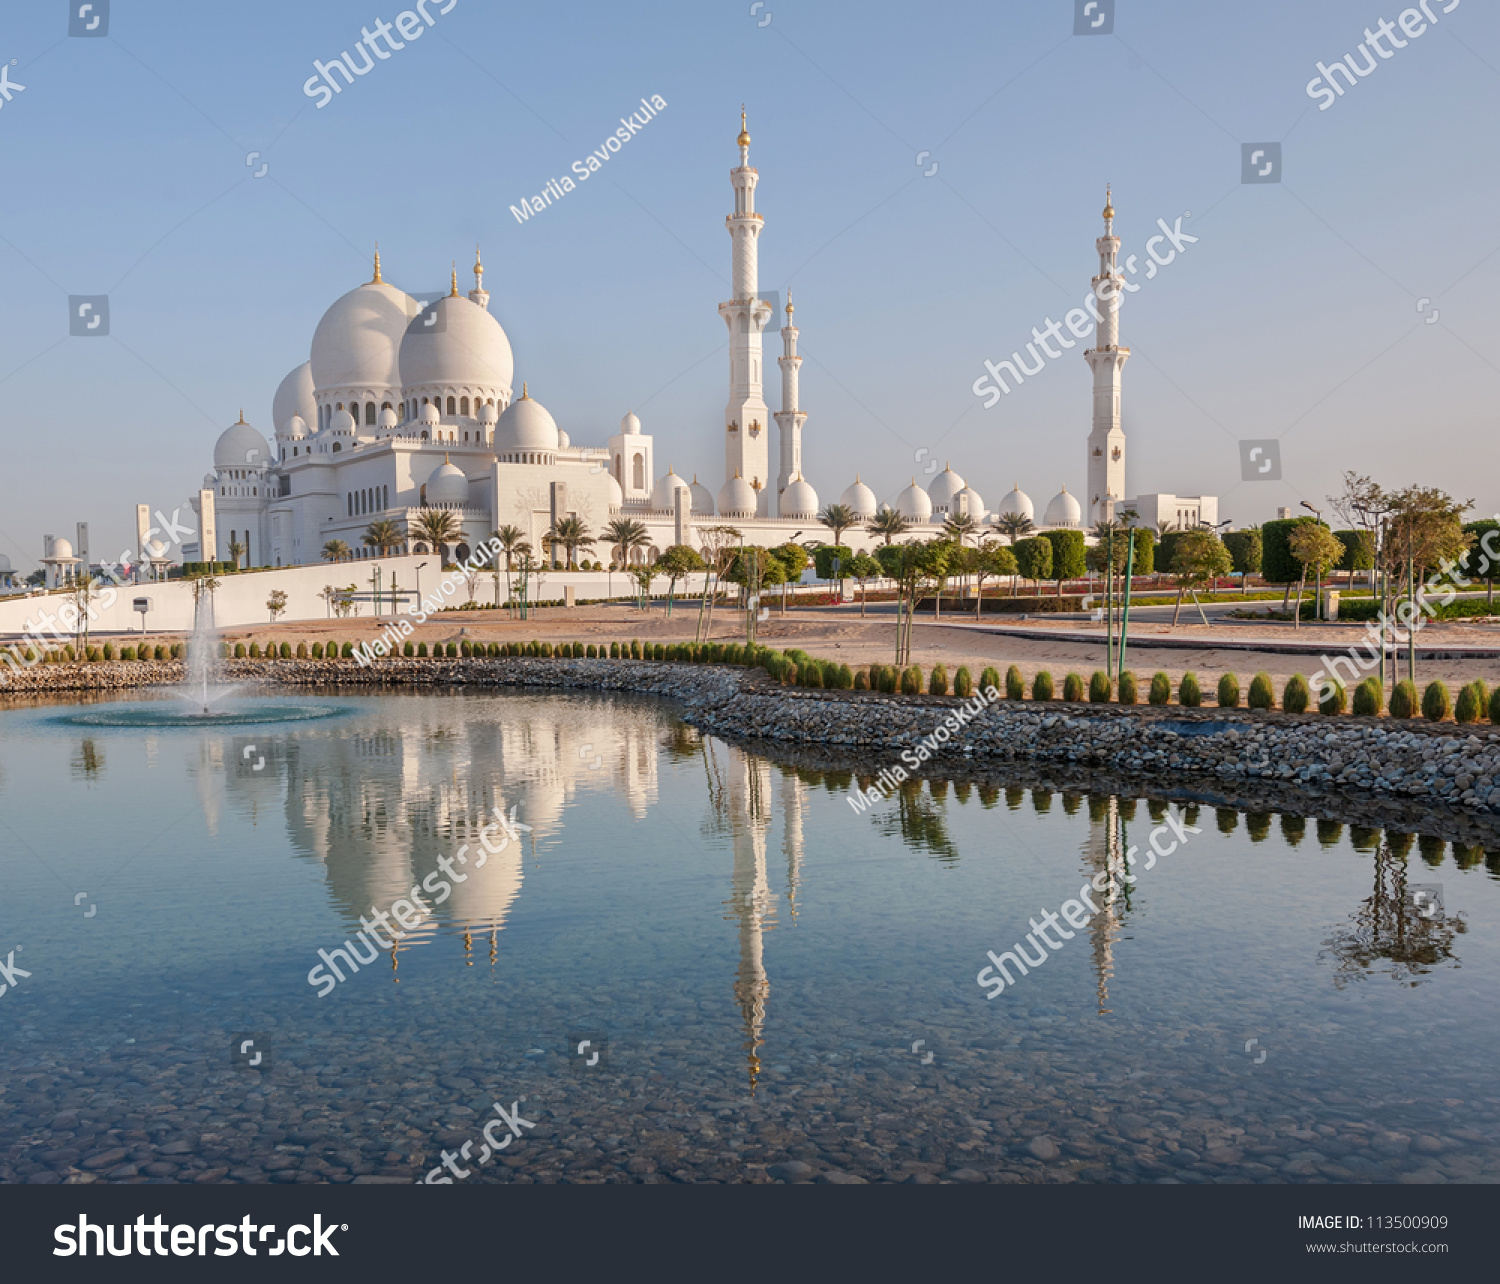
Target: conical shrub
(1295,696)
(1229,691)
(963,683)
(1435,702)
(1404,700)
(1100,687)
(1262,693)
(989,678)
(1041,686)
(1469,706)
(1129,691)
(1161,689)
(1015,684)
(1189,696)
(1369,699)
(1073,687)
(911,681)
(937,684)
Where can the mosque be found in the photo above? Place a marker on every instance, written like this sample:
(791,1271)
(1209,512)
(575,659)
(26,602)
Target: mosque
(404,406)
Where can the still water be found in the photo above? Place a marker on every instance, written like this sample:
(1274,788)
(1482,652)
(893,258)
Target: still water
(763,983)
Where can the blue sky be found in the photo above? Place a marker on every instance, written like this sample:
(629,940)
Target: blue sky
(1294,316)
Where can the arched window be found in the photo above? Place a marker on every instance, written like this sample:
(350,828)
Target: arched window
(337,448)
(370,414)
(463,553)
(385,497)
(451,409)
(424,434)
(350,505)
(418,548)
(463,408)
(638,473)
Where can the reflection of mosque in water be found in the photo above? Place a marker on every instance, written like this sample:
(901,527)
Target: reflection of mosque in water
(381,807)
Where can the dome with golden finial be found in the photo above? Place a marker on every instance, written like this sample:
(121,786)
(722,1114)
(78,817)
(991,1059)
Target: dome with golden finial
(744,129)
(1109,209)
(376,280)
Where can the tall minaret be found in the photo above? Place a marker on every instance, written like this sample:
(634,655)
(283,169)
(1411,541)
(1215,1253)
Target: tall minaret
(1107,360)
(479,294)
(746,420)
(789,419)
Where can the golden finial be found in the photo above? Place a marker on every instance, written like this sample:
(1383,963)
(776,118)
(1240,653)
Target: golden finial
(453,289)
(1109,209)
(445,457)
(744,131)
(478,270)
(524,393)
(242,414)
(377,280)
(789,302)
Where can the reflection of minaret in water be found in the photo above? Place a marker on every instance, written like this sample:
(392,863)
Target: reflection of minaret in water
(1102,853)
(793,805)
(751,900)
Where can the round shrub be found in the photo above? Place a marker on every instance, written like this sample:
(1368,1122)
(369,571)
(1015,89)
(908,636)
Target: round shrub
(862,680)
(1368,699)
(1129,693)
(1435,702)
(989,678)
(911,681)
(789,675)
(845,678)
(178,650)
(1073,688)
(286,650)
(1295,697)
(659,652)
(92,654)
(254,650)
(452,650)
(1041,686)
(421,650)
(1333,697)
(1229,691)
(109,651)
(239,651)
(875,676)
(302,650)
(1015,685)
(614,650)
(889,680)
(316,650)
(128,653)
(635,649)
(1189,696)
(1100,687)
(963,683)
(1161,689)
(1262,693)
(937,684)
(347,650)
(1471,701)
(812,675)
(1404,700)
(1495,706)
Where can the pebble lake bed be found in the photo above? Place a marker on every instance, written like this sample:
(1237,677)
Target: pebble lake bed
(779,987)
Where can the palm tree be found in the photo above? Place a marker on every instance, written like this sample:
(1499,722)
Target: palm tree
(888,524)
(1014,525)
(624,535)
(439,528)
(571,532)
(959,527)
(383,535)
(336,551)
(838,518)
(511,540)
(236,551)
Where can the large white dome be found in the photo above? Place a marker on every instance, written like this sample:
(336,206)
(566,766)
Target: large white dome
(447,484)
(456,342)
(1063,511)
(968,501)
(799,500)
(737,498)
(861,499)
(913,503)
(294,396)
(358,342)
(241,446)
(1017,504)
(664,493)
(62,548)
(703,499)
(526,425)
(943,490)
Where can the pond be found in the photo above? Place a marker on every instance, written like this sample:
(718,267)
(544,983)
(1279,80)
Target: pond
(633,952)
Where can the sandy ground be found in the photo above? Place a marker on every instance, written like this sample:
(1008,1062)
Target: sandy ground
(842,634)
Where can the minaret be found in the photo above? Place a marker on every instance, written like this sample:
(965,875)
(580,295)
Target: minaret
(789,419)
(479,294)
(746,419)
(1107,360)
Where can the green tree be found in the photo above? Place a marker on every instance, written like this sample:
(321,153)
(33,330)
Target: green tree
(1013,526)
(1068,550)
(1482,561)
(1034,558)
(1316,548)
(438,527)
(1198,558)
(237,550)
(1359,552)
(677,561)
(336,551)
(276,604)
(572,533)
(960,527)
(863,568)
(988,561)
(383,535)
(838,518)
(1245,552)
(887,525)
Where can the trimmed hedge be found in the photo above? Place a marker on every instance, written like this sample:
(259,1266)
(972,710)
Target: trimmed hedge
(1188,694)
(1262,693)
(1471,701)
(963,683)
(1436,704)
(1041,686)
(989,678)
(1128,692)
(1073,688)
(1100,687)
(1229,691)
(1369,698)
(1404,702)
(1295,697)
(1161,689)
(1015,684)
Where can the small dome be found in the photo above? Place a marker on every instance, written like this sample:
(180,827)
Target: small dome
(1063,511)
(156,550)
(664,493)
(563,440)
(296,428)
(947,484)
(913,503)
(62,548)
(737,498)
(1018,504)
(428,413)
(343,422)
(241,446)
(799,500)
(210,480)
(4,563)
(616,495)
(861,499)
(358,341)
(447,485)
(526,425)
(387,417)
(294,396)
(456,342)
(703,499)
(630,424)
(488,414)
(968,502)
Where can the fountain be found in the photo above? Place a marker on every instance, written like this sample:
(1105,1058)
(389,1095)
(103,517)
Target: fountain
(206,696)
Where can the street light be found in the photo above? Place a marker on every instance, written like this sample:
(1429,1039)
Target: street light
(420,565)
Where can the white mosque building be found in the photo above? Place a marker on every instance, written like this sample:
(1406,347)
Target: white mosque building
(402,407)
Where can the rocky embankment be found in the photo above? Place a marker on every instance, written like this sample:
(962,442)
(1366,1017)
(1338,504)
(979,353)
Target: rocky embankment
(1437,764)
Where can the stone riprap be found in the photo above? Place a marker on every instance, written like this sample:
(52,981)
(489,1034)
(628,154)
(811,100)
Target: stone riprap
(1440,764)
